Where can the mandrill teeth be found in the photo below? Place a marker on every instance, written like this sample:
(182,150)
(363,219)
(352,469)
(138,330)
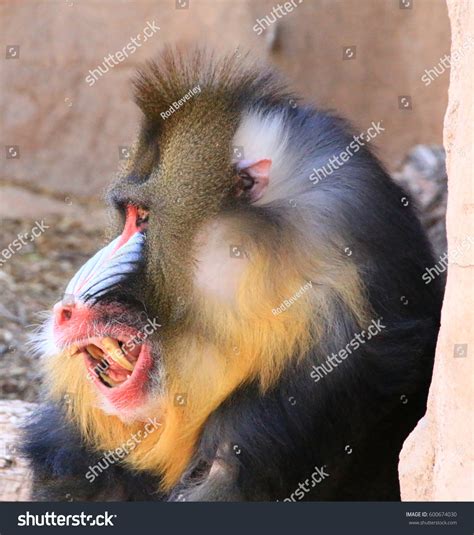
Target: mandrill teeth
(95,352)
(107,379)
(113,350)
(73,350)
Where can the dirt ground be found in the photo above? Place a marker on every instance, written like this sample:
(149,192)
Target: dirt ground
(31,281)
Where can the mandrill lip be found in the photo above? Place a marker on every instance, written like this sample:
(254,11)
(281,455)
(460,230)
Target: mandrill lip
(117,363)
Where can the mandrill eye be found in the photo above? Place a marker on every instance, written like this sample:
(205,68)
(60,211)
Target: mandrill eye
(246,182)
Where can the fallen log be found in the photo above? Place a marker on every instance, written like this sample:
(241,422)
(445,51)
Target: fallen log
(15,476)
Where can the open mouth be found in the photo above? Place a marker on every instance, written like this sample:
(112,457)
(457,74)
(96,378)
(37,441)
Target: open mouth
(112,360)
(118,366)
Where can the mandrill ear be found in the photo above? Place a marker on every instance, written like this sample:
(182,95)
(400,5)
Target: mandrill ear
(253,177)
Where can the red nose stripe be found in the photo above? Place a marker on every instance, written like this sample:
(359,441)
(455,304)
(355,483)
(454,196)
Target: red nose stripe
(130,226)
(129,230)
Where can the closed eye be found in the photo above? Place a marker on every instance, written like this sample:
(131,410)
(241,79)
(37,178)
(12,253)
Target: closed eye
(143,216)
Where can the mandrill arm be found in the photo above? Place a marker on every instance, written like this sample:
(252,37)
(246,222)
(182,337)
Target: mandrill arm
(60,461)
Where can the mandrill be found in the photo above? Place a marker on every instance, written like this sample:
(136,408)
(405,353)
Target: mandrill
(257,329)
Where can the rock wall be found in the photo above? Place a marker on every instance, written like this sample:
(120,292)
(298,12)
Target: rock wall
(63,137)
(437,460)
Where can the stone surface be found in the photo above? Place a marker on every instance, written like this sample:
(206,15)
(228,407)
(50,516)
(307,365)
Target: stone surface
(423,174)
(437,460)
(15,477)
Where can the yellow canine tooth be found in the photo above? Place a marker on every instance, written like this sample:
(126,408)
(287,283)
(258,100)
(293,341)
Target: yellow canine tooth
(107,379)
(95,351)
(113,350)
(72,350)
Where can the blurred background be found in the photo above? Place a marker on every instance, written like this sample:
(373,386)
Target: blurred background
(62,138)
